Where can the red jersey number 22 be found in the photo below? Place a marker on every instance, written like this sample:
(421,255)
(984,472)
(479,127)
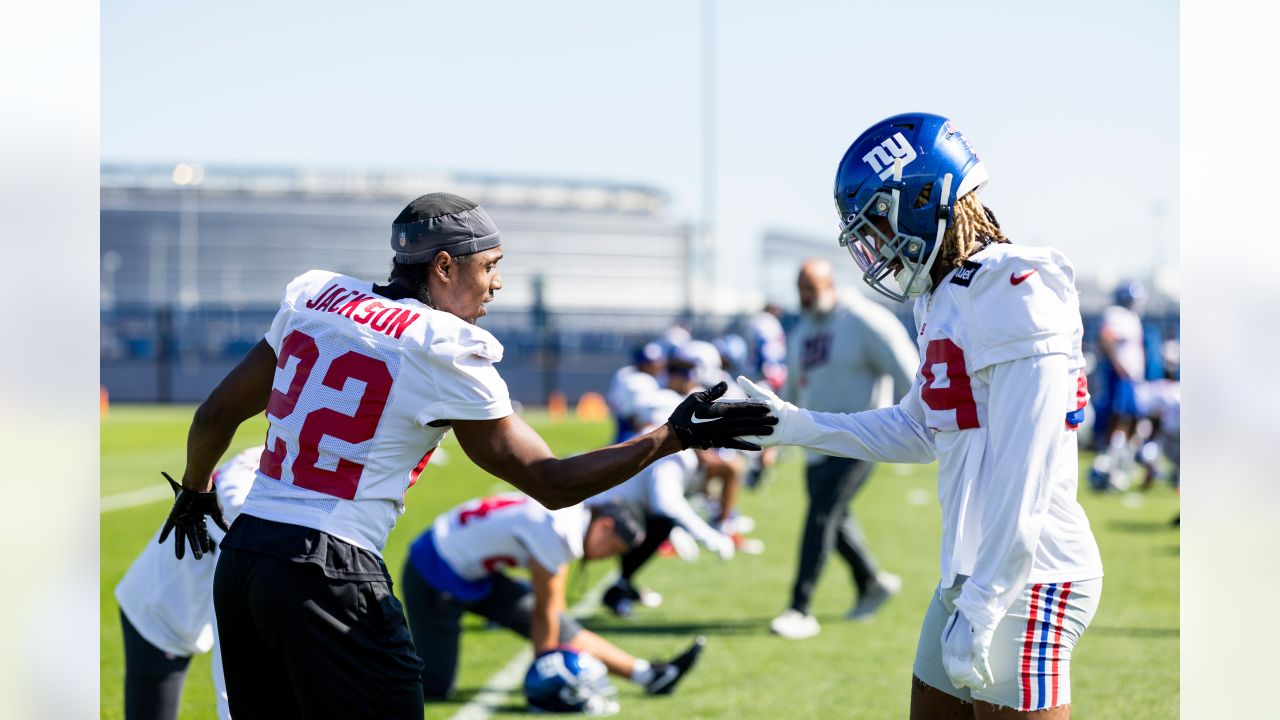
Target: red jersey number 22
(321,421)
(955,394)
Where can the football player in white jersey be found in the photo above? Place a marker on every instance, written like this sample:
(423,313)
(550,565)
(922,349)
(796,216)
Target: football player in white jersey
(166,611)
(661,492)
(359,383)
(1124,367)
(995,402)
(457,565)
(630,382)
(847,354)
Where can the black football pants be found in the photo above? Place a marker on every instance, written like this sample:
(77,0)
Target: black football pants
(829,523)
(297,643)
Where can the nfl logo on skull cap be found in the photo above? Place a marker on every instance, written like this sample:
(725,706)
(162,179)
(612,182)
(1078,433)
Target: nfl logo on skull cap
(403,240)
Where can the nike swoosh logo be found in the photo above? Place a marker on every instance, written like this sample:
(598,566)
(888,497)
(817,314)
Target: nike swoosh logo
(698,421)
(1016,279)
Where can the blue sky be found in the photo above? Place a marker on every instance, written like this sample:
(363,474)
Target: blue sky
(1074,108)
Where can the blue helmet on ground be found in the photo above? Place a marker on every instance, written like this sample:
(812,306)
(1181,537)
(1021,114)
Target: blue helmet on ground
(565,680)
(895,189)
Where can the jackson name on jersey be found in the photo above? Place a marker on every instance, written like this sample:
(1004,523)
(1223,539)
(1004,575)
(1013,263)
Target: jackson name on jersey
(363,388)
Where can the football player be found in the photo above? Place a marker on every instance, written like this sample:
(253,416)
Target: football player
(457,565)
(995,402)
(847,354)
(360,382)
(660,491)
(767,363)
(767,347)
(166,611)
(1124,368)
(630,382)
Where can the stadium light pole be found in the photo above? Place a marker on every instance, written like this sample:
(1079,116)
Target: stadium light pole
(707,239)
(188,179)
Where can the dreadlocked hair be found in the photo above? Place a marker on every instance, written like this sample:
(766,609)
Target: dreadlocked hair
(973,227)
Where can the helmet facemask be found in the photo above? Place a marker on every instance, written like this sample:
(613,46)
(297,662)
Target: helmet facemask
(907,257)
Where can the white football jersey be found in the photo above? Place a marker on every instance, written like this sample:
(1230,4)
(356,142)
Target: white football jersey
(485,535)
(1161,399)
(170,601)
(1125,327)
(663,488)
(627,385)
(1002,368)
(359,379)
(766,344)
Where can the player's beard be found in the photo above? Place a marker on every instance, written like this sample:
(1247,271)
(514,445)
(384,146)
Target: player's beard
(822,305)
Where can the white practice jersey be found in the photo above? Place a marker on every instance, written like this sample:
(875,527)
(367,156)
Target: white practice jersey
(663,489)
(1125,328)
(170,601)
(1162,400)
(359,379)
(627,386)
(766,347)
(482,536)
(1002,367)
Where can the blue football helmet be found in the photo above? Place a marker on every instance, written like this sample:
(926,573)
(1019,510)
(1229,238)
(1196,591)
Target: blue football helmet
(1130,294)
(908,171)
(567,681)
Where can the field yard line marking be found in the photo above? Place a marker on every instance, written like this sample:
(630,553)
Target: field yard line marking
(511,676)
(134,498)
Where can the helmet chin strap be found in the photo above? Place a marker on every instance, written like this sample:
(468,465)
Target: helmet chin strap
(921,280)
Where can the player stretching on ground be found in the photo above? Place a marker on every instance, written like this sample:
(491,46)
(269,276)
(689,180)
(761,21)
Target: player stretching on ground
(660,491)
(360,382)
(996,401)
(456,567)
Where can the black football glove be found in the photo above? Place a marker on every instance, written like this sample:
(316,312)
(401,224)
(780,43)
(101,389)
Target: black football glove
(701,423)
(187,517)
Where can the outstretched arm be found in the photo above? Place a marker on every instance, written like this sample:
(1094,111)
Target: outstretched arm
(511,450)
(892,434)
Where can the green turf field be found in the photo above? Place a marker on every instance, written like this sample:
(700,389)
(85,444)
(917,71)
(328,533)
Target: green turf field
(1125,667)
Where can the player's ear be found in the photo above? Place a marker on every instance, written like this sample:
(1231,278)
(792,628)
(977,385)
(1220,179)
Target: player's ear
(441,264)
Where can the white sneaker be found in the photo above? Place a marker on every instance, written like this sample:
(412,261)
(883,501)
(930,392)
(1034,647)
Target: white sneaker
(794,625)
(886,586)
(649,598)
(742,524)
(685,545)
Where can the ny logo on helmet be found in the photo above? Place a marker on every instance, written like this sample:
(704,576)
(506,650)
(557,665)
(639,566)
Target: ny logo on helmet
(881,156)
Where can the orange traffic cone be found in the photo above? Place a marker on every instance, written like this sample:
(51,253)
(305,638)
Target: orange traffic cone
(592,407)
(557,406)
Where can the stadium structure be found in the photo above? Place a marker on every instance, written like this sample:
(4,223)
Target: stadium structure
(194,260)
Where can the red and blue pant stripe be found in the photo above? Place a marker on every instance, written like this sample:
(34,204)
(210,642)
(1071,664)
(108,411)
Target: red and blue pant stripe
(1041,646)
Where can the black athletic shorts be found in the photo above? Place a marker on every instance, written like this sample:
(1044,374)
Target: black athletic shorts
(309,627)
